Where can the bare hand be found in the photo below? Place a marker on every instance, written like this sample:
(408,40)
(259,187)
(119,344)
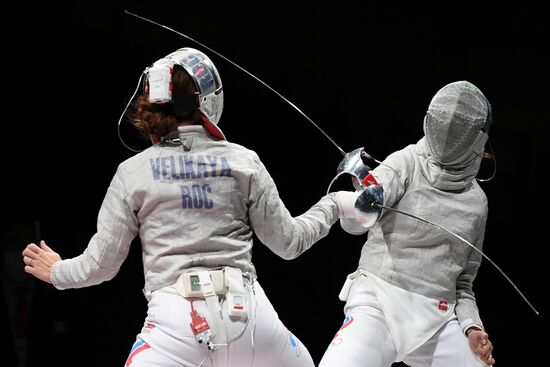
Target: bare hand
(481,345)
(40,260)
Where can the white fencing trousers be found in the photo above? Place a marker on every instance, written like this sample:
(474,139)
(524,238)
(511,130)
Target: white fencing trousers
(364,340)
(166,339)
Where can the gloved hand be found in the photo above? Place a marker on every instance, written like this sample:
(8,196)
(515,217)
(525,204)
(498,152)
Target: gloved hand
(345,200)
(366,212)
(372,195)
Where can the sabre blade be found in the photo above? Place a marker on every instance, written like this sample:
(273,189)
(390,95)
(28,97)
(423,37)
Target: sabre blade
(378,205)
(245,71)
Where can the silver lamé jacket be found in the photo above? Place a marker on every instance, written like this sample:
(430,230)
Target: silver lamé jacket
(415,255)
(195,205)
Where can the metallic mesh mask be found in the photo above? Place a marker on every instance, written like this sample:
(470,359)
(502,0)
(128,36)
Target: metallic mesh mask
(457,115)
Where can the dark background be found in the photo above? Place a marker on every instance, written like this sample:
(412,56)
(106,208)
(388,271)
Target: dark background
(364,73)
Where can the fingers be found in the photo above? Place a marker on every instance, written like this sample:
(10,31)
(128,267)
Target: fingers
(45,247)
(30,270)
(480,343)
(485,352)
(489,360)
(27,260)
(485,349)
(39,261)
(31,249)
(27,248)
(28,265)
(31,254)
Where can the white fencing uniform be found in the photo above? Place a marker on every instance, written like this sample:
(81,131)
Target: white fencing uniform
(377,332)
(260,340)
(415,299)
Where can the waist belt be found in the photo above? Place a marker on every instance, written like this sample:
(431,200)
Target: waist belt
(190,285)
(227,281)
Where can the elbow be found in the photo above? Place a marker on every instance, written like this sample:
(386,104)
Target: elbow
(289,255)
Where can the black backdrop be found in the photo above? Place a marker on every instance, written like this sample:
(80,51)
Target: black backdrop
(364,73)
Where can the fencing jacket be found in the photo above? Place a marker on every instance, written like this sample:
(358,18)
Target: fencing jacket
(414,255)
(195,205)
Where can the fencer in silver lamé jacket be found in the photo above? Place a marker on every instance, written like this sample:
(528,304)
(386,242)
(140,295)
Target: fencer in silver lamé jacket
(415,255)
(195,205)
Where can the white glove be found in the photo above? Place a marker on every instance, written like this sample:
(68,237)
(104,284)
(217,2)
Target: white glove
(345,200)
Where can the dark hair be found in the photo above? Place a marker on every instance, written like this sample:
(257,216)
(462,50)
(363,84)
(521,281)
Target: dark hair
(160,119)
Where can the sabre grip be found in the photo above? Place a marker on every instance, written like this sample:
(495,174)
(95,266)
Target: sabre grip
(368,205)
